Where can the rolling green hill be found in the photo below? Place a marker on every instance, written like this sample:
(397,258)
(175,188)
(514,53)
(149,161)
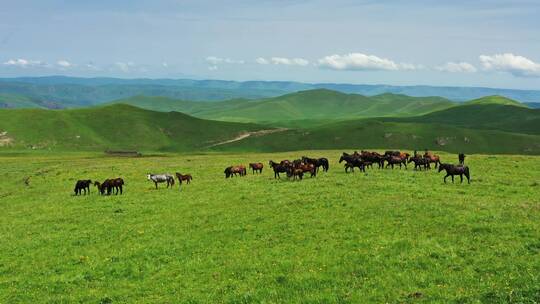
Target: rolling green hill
(496,100)
(313,105)
(486,113)
(17,101)
(378,134)
(113,127)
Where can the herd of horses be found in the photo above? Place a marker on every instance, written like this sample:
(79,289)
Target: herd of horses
(296,169)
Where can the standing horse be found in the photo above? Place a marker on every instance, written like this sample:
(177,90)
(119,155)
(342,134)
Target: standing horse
(278,168)
(161,178)
(256,167)
(419,162)
(395,160)
(317,162)
(109,184)
(82,185)
(295,173)
(233,170)
(452,170)
(181,177)
(461,158)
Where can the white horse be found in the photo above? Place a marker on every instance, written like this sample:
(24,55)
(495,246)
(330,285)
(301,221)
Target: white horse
(161,178)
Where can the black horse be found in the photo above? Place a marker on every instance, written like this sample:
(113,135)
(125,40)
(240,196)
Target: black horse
(461,158)
(452,170)
(82,185)
(278,168)
(352,161)
(317,162)
(395,160)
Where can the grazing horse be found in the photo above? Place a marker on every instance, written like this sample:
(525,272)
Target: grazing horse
(233,170)
(395,160)
(419,162)
(279,168)
(461,158)
(307,168)
(181,177)
(109,184)
(433,158)
(452,170)
(82,185)
(161,178)
(317,162)
(256,167)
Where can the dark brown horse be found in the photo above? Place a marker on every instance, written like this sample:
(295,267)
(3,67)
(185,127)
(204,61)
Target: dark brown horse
(373,157)
(234,170)
(183,177)
(279,168)
(419,162)
(307,168)
(256,167)
(109,184)
(82,185)
(317,162)
(452,170)
(395,160)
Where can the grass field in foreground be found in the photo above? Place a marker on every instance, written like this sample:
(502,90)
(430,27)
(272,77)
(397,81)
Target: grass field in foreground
(385,236)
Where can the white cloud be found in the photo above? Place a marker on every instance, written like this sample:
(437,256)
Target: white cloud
(165,64)
(124,66)
(362,62)
(516,65)
(218,60)
(212,68)
(457,67)
(261,60)
(23,63)
(289,61)
(64,63)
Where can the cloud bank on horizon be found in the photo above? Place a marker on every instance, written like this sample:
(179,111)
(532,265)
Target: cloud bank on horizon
(486,43)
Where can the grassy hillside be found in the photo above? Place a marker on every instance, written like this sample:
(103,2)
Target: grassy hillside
(496,100)
(374,134)
(388,236)
(486,113)
(114,127)
(17,101)
(313,105)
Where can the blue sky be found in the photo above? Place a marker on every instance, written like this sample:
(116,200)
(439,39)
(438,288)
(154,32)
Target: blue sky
(489,43)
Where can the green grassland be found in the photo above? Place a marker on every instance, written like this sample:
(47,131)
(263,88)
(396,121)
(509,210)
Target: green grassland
(387,236)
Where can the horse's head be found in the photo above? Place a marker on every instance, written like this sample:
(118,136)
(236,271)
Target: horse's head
(97,184)
(442,167)
(149,176)
(341,159)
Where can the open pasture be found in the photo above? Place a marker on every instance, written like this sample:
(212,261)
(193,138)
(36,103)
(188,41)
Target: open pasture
(384,236)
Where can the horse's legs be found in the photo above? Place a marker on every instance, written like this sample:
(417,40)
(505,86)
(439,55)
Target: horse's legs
(446,177)
(461,177)
(452,179)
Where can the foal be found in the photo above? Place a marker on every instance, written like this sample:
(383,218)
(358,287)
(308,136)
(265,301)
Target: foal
(187,178)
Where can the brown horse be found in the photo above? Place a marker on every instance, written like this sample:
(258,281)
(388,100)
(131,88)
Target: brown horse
(109,184)
(307,168)
(183,177)
(82,185)
(295,173)
(233,170)
(395,160)
(433,158)
(256,167)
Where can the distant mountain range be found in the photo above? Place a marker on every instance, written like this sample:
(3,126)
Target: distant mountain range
(68,92)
